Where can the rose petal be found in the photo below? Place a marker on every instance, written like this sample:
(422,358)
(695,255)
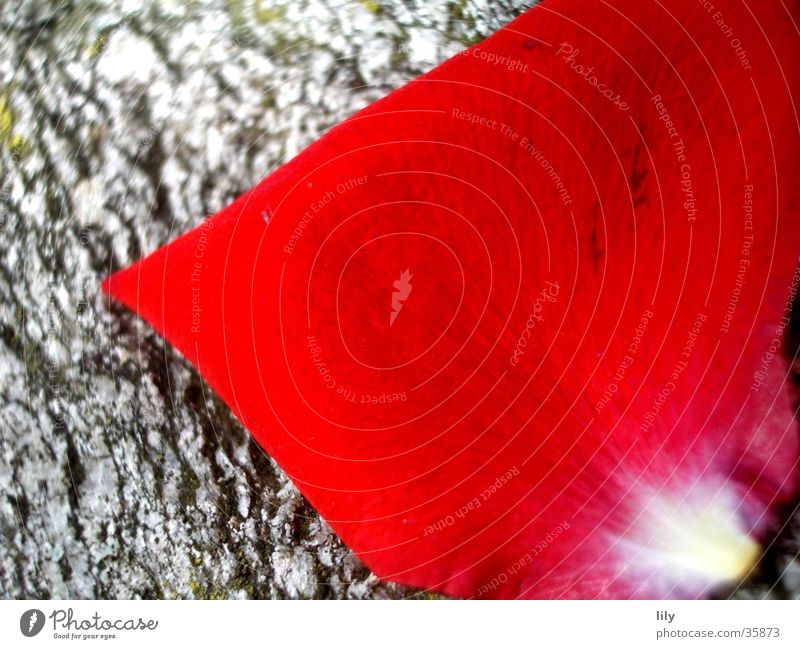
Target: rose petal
(516,330)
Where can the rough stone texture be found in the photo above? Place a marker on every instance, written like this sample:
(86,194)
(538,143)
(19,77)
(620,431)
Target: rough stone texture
(121,474)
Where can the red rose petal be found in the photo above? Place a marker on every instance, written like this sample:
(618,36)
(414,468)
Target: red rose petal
(516,329)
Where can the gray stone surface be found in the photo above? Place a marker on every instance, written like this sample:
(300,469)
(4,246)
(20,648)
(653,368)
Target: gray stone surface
(121,126)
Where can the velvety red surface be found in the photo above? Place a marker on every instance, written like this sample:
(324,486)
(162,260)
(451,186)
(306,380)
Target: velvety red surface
(591,319)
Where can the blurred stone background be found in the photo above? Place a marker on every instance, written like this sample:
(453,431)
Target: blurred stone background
(122,125)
